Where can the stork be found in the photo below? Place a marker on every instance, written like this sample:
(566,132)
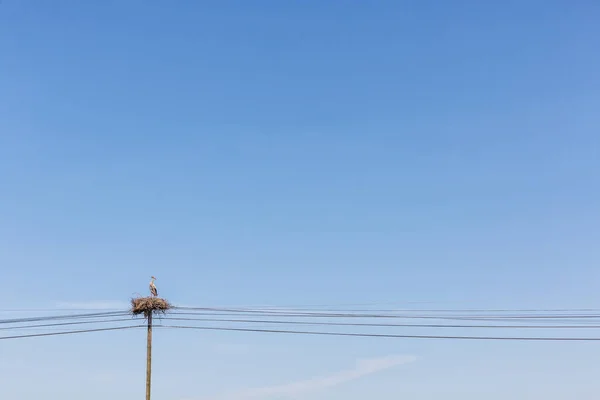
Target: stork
(153,289)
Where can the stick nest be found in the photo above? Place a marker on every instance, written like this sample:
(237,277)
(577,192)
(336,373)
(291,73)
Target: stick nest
(147,305)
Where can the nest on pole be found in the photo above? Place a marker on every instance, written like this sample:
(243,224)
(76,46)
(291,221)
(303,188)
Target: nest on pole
(149,305)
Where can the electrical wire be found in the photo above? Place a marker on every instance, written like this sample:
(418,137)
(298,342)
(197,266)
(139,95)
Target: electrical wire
(409,314)
(55,309)
(69,332)
(365,313)
(263,321)
(298,332)
(65,324)
(469,318)
(394,316)
(443,310)
(60,317)
(381,335)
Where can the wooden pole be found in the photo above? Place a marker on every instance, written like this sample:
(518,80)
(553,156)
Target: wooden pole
(149,355)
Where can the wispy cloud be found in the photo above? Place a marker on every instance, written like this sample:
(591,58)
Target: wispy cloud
(93,305)
(361,369)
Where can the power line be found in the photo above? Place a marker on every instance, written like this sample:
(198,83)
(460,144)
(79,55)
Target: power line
(210,312)
(276,309)
(59,317)
(264,321)
(366,314)
(68,332)
(321,333)
(394,316)
(381,335)
(314,314)
(288,322)
(55,309)
(65,324)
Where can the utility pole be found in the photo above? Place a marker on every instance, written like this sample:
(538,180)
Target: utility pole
(149,354)
(148,306)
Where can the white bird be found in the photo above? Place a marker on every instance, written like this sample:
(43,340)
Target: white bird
(153,289)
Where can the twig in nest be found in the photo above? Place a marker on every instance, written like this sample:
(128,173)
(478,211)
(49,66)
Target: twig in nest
(147,305)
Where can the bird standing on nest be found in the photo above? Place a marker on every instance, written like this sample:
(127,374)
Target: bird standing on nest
(153,289)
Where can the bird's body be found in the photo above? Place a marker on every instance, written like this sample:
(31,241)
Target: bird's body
(153,289)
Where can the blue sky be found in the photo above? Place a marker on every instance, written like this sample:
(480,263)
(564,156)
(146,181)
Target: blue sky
(299,152)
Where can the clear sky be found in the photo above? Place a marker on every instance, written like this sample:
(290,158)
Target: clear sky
(299,152)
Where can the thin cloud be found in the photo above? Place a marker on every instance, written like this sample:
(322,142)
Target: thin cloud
(361,369)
